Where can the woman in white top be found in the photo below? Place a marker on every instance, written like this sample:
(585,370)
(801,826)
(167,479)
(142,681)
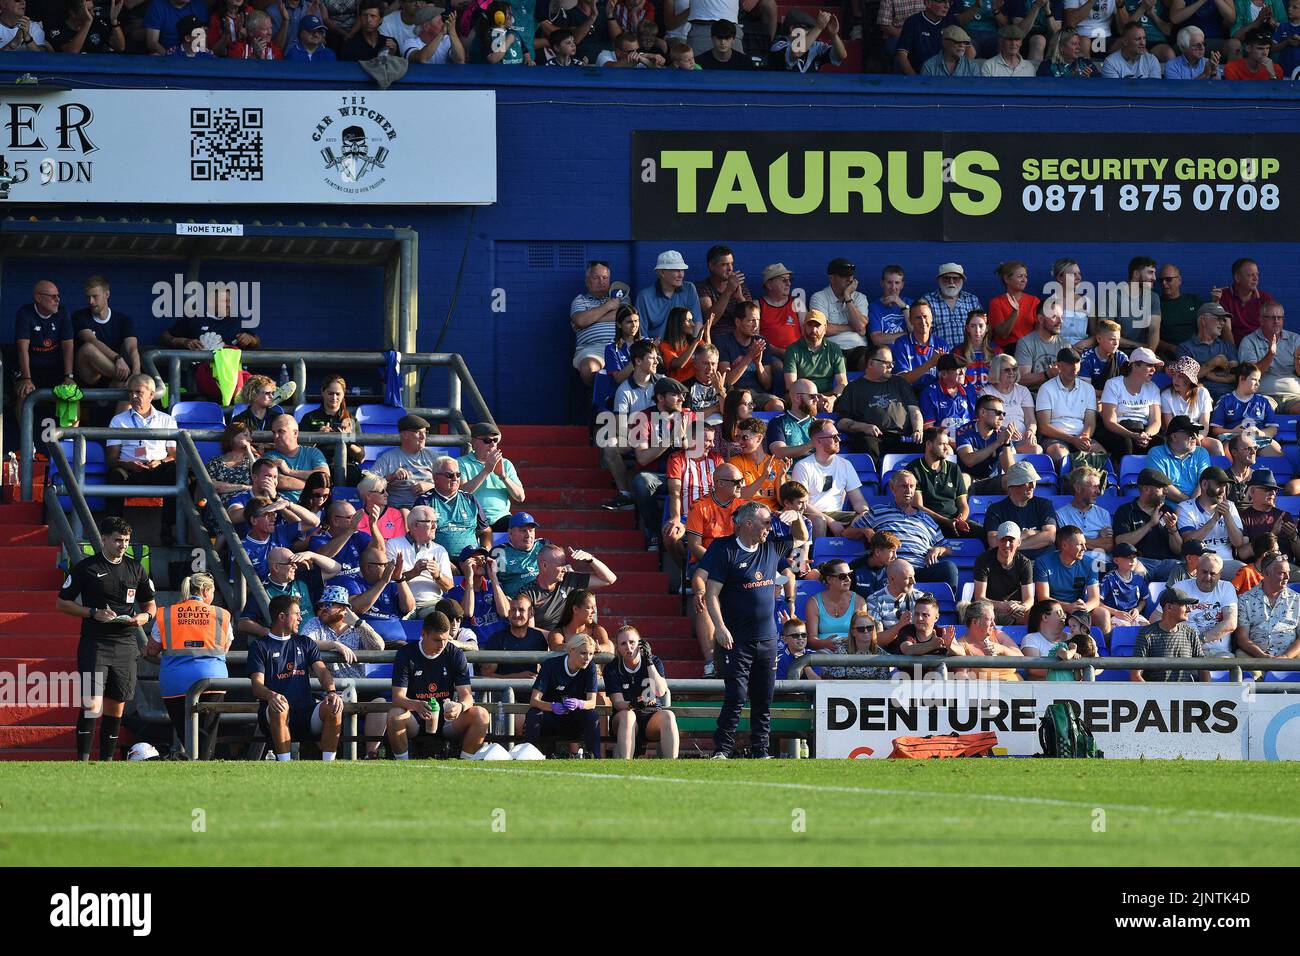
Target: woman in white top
(1186,396)
(1091,19)
(1077,320)
(1046,638)
(1130,408)
(1004,382)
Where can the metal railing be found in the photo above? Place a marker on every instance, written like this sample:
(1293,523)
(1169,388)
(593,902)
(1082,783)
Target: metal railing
(1088,665)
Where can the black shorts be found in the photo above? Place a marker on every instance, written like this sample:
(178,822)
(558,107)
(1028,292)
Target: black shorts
(300,722)
(115,661)
(643,718)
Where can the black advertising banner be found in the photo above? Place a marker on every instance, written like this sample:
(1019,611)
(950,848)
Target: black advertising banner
(938,186)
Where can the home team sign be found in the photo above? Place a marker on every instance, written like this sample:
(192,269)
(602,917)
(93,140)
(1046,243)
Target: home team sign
(1196,721)
(247,146)
(962,186)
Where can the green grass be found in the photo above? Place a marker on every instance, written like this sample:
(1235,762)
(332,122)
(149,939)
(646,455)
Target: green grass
(1003,812)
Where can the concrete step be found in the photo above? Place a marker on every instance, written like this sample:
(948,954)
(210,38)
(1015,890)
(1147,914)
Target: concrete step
(635,582)
(550,518)
(24,534)
(41,738)
(568,497)
(568,456)
(41,716)
(654,629)
(60,753)
(684,670)
(37,622)
(36,644)
(598,540)
(554,435)
(21,512)
(638,606)
(18,575)
(40,601)
(541,477)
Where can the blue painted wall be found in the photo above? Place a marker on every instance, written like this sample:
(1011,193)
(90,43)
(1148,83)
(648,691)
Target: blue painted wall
(563,199)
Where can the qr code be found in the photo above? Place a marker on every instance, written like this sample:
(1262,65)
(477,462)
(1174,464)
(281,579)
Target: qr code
(226,144)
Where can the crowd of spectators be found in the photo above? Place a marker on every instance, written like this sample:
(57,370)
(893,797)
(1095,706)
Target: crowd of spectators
(1068,377)
(1142,39)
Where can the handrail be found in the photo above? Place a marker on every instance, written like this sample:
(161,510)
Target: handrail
(233,545)
(234,592)
(73,489)
(942,664)
(67,538)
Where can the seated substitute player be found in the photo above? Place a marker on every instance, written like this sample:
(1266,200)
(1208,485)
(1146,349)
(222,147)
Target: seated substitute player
(433,671)
(640,696)
(116,598)
(563,702)
(278,665)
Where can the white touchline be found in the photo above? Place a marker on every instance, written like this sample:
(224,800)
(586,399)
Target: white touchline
(886,792)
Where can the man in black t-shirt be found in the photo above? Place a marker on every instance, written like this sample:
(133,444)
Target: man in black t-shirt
(117,599)
(722,56)
(1035,517)
(879,412)
(107,352)
(431,687)
(1005,577)
(1150,524)
(368,43)
(43,342)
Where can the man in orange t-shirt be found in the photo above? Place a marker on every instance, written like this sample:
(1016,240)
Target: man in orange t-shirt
(1257,44)
(710,518)
(761,474)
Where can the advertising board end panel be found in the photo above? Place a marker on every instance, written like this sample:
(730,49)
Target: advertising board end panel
(962,187)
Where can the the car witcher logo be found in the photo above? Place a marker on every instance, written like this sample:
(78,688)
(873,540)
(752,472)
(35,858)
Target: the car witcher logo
(354,145)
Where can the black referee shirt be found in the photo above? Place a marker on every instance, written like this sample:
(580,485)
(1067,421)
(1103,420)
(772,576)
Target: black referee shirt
(122,588)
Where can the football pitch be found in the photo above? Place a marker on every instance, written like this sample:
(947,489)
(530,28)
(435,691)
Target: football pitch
(691,812)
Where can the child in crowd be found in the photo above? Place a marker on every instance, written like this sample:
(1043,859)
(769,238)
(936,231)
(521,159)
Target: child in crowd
(1103,361)
(1245,410)
(618,363)
(792,522)
(793,646)
(1124,590)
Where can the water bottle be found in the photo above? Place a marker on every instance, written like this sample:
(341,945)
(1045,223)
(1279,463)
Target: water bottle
(284,373)
(803,749)
(499,725)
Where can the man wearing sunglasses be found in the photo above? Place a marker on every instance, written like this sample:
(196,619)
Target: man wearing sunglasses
(461,522)
(491,477)
(986,447)
(878,412)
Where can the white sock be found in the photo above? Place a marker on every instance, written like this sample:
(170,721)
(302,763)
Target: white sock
(288,756)
(466,756)
(402,756)
(327,756)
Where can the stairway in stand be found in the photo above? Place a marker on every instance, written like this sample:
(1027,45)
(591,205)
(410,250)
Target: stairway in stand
(34,638)
(565,484)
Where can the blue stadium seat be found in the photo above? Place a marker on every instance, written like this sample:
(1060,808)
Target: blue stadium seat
(208,450)
(198,415)
(1156,588)
(965,551)
(806,589)
(891,463)
(824,549)
(1045,467)
(1016,632)
(942,593)
(1161,380)
(412,628)
(302,411)
(866,469)
(1289,503)
(1111,502)
(979,505)
(236,409)
(1112,478)
(1286,429)
(1278,677)
(1059,501)
(346,493)
(1224,462)
(1129,468)
(767,416)
(380,419)
(1283,468)
(96,470)
(499,538)
(390,629)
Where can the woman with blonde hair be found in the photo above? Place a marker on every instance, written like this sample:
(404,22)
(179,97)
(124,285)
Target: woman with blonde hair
(262,398)
(1004,383)
(563,699)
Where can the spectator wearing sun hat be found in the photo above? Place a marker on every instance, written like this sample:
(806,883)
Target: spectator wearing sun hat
(670,291)
(491,477)
(778,310)
(950,304)
(952,59)
(336,628)
(1008,61)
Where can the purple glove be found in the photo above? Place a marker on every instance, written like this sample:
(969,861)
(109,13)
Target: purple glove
(559,708)
(572,703)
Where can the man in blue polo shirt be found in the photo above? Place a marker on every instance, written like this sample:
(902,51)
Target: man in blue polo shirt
(1070,575)
(738,575)
(670,291)
(1182,460)
(917,353)
(949,402)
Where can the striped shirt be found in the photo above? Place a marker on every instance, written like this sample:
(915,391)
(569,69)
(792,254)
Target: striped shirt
(950,320)
(886,608)
(917,533)
(695,474)
(1154,641)
(598,334)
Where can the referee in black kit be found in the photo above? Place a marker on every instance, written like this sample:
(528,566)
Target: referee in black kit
(116,599)
(738,577)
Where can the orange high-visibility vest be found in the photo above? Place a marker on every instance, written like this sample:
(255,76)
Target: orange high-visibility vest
(193,628)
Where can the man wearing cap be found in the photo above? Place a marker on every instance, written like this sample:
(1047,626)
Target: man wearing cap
(491,477)
(1182,459)
(1268,615)
(1214,614)
(1131,61)
(1004,576)
(409,468)
(921,541)
(918,352)
(1212,519)
(1170,636)
(1035,516)
(592,315)
(818,361)
(1243,298)
(952,59)
(426,564)
(1272,349)
(986,446)
(723,290)
(1263,515)
(1213,349)
(1066,409)
(878,411)
(921,37)
(1008,61)
(778,318)
(1037,352)
(950,304)
(847,311)
(1150,524)
(295,462)
(948,402)
(336,628)
(1190,562)
(669,291)
(829,479)
(942,486)
(1071,576)
(309,46)
(434,43)
(516,560)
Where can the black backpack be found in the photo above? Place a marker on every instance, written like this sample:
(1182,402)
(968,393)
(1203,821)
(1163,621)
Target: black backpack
(1062,733)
